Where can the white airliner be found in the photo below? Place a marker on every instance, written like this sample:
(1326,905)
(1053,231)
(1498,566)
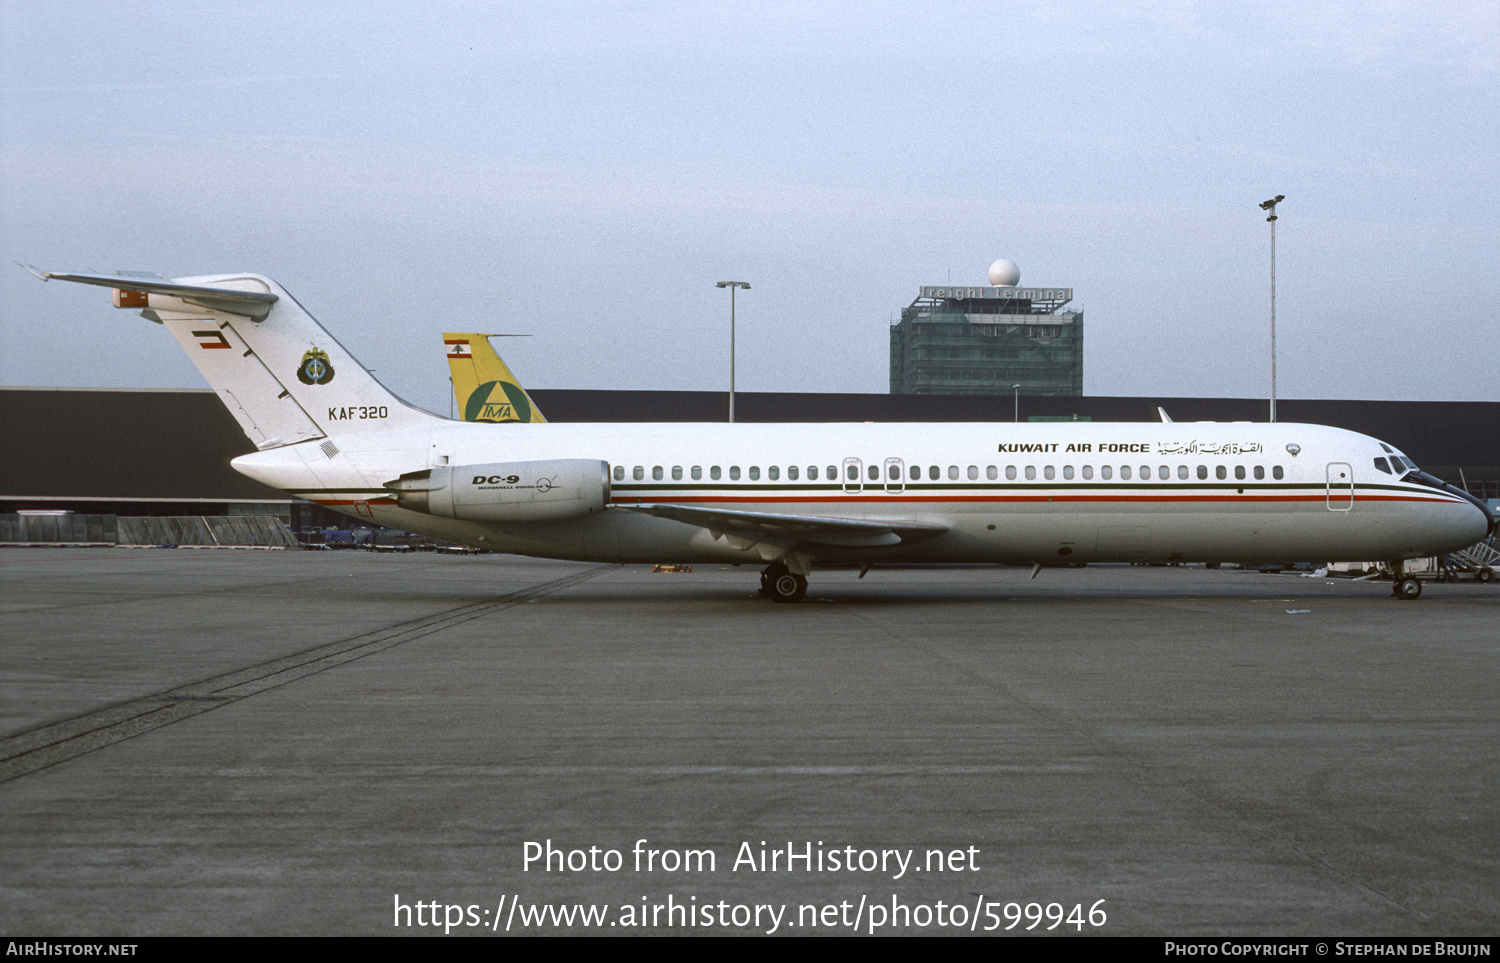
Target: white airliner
(792,496)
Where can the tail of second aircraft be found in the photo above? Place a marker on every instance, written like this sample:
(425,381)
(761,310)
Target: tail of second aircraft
(483,386)
(283,377)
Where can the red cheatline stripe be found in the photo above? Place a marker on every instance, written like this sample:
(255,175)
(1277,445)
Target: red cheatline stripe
(741,499)
(674,499)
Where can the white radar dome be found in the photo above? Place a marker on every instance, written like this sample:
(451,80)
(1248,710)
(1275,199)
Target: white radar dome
(1004,273)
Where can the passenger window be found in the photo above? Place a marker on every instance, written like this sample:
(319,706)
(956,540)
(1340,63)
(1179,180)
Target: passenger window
(1105,472)
(697,473)
(992,473)
(1260,472)
(1049,473)
(1010,472)
(639,473)
(934,473)
(953,473)
(1164,473)
(1220,473)
(1031,473)
(656,473)
(894,472)
(1239,472)
(1202,472)
(734,472)
(1145,473)
(915,473)
(832,473)
(714,473)
(1380,463)
(619,473)
(1182,472)
(1088,472)
(755,473)
(874,472)
(973,473)
(677,473)
(773,473)
(853,473)
(1068,472)
(1125,473)
(1276,472)
(812,473)
(791,472)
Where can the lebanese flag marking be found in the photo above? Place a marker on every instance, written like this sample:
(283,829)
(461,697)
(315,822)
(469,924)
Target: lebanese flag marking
(210,339)
(458,349)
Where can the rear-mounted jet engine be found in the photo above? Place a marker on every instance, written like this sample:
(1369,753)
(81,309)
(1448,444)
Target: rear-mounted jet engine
(521,491)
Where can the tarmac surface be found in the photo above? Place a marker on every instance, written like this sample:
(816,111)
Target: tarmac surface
(242,742)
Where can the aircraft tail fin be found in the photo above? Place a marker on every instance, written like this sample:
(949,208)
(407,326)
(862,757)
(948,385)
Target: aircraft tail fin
(283,377)
(483,385)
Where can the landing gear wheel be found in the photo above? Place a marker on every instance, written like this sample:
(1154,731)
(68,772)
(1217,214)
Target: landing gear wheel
(1407,588)
(768,575)
(786,587)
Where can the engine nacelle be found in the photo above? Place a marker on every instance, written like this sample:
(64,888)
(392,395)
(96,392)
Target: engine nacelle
(519,491)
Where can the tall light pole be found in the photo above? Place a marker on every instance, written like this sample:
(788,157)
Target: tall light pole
(732,285)
(1017,390)
(1270,208)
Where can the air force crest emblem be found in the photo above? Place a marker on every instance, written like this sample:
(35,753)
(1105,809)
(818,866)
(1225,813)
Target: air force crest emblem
(315,369)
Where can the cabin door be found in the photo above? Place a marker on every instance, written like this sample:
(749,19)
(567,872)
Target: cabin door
(853,475)
(895,475)
(1340,486)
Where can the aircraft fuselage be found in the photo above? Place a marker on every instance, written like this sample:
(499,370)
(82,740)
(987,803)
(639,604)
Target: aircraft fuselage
(1050,493)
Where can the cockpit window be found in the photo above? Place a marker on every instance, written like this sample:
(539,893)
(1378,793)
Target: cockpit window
(1386,447)
(1380,463)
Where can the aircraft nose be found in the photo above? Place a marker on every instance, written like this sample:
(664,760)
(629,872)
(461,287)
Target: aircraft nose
(1490,520)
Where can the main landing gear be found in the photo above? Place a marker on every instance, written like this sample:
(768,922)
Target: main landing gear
(780,584)
(1406,586)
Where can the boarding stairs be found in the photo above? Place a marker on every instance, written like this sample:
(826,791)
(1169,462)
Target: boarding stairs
(1481,558)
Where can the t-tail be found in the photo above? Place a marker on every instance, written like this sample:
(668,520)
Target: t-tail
(283,377)
(483,385)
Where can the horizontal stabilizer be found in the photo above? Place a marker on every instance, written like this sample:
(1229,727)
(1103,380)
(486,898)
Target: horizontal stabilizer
(818,529)
(250,304)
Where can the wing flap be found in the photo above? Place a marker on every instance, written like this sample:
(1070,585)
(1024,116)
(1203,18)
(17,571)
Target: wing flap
(793,529)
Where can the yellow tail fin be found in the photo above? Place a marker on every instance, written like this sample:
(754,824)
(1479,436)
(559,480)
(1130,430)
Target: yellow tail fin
(483,386)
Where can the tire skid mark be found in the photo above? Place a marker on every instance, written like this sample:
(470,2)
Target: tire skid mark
(36,749)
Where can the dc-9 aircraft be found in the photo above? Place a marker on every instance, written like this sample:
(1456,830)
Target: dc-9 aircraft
(792,496)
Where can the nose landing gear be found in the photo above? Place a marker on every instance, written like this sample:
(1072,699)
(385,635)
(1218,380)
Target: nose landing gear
(1406,586)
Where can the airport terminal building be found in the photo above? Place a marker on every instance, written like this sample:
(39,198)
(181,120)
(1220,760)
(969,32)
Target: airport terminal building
(985,340)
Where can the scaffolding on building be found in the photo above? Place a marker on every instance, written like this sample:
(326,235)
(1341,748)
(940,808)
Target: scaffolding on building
(988,340)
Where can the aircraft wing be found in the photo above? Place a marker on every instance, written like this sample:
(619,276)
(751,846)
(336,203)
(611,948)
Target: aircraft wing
(792,529)
(253,304)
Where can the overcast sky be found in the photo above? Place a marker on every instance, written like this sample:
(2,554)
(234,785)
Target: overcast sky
(585,172)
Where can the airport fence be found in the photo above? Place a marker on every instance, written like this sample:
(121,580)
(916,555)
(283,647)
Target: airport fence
(181,531)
